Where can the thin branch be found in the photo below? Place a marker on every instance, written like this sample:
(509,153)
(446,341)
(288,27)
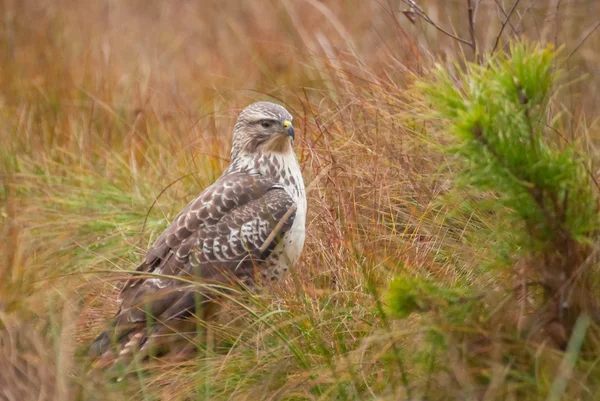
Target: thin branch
(277,228)
(524,14)
(476,10)
(505,15)
(556,24)
(582,41)
(471,16)
(414,8)
(510,13)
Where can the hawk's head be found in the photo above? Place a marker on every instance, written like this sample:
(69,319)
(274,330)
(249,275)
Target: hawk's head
(263,127)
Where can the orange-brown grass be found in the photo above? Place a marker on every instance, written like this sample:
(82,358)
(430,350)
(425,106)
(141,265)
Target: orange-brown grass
(113,115)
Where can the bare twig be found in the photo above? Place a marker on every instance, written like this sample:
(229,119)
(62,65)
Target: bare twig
(415,9)
(278,228)
(585,37)
(556,19)
(471,16)
(510,13)
(476,9)
(505,15)
(524,14)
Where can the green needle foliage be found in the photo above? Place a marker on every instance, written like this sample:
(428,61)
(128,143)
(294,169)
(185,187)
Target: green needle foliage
(497,122)
(499,117)
(412,294)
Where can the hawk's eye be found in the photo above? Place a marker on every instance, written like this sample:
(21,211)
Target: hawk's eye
(266,123)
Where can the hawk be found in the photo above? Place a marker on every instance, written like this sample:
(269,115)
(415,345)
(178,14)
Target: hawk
(246,228)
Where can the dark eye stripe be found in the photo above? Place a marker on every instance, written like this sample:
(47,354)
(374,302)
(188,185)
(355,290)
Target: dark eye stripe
(265,120)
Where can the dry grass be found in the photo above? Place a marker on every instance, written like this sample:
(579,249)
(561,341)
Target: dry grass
(114,114)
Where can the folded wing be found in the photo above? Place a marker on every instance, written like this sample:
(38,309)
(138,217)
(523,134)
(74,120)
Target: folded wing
(218,236)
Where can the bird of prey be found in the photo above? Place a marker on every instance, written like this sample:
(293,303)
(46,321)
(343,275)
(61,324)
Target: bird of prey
(247,228)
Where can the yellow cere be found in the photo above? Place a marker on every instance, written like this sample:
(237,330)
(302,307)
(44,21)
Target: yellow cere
(286,123)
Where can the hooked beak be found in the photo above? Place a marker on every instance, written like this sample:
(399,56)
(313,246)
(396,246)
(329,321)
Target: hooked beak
(289,129)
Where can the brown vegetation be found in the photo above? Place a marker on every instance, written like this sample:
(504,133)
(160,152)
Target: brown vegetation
(113,114)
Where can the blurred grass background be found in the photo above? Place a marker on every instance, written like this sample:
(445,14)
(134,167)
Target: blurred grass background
(114,114)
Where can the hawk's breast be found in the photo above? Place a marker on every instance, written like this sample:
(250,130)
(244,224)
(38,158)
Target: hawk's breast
(288,250)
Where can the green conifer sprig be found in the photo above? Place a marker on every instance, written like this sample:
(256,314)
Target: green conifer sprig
(498,116)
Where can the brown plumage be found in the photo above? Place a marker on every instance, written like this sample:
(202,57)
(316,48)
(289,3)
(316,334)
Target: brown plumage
(247,224)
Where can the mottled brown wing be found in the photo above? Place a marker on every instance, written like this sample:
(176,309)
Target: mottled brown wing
(221,233)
